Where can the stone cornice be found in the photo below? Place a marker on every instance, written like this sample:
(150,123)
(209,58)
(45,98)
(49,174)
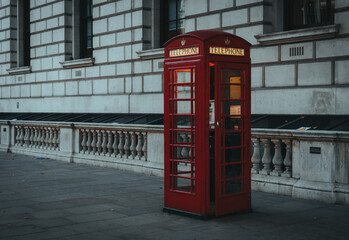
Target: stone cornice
(85,62)
(299,35)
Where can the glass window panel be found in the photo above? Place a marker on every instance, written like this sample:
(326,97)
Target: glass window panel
(184,121)
(172,25)
(183,92)
(184,75)
(232,108)
(233,123)
(172,12)
(233,171)
(232,92)
(183,181)
(232,139)
(233,155)
(232,76)
(183,106)
(233,186)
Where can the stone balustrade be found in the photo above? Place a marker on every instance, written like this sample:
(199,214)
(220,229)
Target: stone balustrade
(271,155)
(303,164)
(118,143)
(40,137)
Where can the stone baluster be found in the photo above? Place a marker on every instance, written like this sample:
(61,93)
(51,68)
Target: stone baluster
(99,142)
(115,143)
(35,138)
(26,136)
(57,132)
(54,139)
(288,159)
(43,137)
(121,144)
(266,159)
(110,142)
(31,137)
(139,145)
(83,141)
(58,139)
(51,138)
(38,138)
(127,144)
(277,159)
(94,141)
(89,141)
(47,138)
(133,145)
(144,149)
(104,142)
(22,136)
(18,134)
(256,157)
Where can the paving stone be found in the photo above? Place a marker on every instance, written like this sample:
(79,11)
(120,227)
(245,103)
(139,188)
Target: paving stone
(48,199)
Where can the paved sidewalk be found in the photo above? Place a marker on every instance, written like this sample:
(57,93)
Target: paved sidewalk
(49,199)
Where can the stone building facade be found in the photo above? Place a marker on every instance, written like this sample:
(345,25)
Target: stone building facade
(106,56)
(299,71)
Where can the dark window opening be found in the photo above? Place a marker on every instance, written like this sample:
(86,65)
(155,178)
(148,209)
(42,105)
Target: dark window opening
(23,50)
(300,14)
(172,19)
(86,28)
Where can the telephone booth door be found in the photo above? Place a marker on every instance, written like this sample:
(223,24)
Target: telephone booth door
(181,130)
(207,124)
(232,138)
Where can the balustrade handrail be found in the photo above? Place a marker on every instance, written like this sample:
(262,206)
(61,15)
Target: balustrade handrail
(319,135)
(105,126)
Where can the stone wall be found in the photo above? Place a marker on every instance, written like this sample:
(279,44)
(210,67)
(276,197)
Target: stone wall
(127,64)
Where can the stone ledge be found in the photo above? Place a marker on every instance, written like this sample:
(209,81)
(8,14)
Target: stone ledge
(322,191)
(152,53)
(85,62)
(19,70)
(299,35)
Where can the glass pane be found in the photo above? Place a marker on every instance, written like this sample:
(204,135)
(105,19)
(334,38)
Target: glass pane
(184,121)
(233,123)
(172,10)
(233,171)
(232,92)
(232,139)
(233,186)
(183,92)
(184,138)
(182,181)
(232,108)
(233,155)
(183,75)
(183,106)
(232,76)
(172,25)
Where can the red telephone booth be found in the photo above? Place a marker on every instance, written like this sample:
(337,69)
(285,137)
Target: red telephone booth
(207,115)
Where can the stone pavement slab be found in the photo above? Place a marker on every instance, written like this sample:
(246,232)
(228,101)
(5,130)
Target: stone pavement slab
(49,199)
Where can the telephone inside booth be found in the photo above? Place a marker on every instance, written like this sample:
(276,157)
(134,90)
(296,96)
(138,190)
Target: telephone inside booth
(207,124)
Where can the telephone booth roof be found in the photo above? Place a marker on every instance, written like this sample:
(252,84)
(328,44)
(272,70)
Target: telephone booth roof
(207,42)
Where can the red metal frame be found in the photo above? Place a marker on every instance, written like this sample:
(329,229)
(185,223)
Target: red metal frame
(186,97)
